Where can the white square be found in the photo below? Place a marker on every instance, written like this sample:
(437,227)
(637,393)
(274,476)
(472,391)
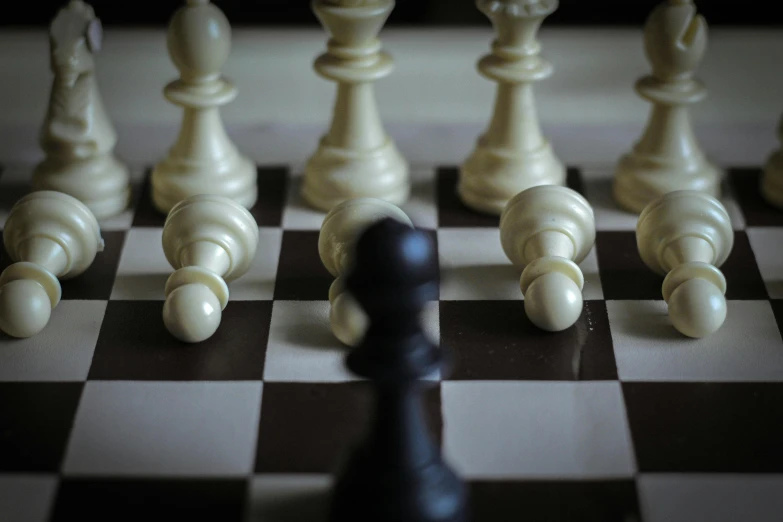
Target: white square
(710,498)
(60,352)
(193,429)
(287,498)
(610,216)
(143,269)
(765,243)
(474,267)
(420,207)
(26,498)
(302,348)
(258,283)
(536,429)
(747,347)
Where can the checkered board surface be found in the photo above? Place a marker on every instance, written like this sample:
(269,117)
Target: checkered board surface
(104,416)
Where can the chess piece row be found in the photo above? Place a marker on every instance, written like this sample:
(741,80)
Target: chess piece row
(209,240)
(547,231)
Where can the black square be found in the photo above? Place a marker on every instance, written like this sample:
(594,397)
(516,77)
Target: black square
(743,278)
(134,345)
(267,211)
(555,501)
(745,183)
(706,427)
(301,276)
(494,340)
(35,422)
(453,213)
(310,427)
(97,281)
(131,500)
(623,273)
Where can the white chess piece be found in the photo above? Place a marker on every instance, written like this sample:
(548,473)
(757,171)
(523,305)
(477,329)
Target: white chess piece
(668,156)
(48,235)
(512,154)
(687,235)
(548,230)
(341,227)
(772,175)
(356,157)
(203,160)
(77,136)
(209,240)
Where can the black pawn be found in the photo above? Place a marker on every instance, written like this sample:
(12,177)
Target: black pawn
(397,474)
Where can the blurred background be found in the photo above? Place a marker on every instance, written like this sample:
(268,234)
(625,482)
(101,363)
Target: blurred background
(407,13)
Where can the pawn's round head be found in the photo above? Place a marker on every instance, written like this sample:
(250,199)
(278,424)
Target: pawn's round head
(394,267)
(192,313)
(199,40)
(25,308)
(553,302)
(697,308)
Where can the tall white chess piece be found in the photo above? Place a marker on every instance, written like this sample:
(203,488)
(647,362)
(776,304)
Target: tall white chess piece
(512,154)
(355,158)
(668,156)
(203,160)
(77,136)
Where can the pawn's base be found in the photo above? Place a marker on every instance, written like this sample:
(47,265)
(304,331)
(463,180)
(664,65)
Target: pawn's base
(491,176)
(333,175)
(772,180)
(102,183)
(641,179)
(176,179)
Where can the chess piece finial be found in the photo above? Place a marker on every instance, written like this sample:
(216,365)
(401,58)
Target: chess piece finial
(77,136)
(203,160)
(548,230)
(341,227)
(356,157)
(209,240)
(512,154)
(687,235)
(772,175)
(397,473)
(668,157)
(48,235)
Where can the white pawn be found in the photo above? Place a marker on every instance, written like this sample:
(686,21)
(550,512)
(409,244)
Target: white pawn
(77,136)
(772,176)
(549,229)
(209,240)
(48,235)
(203,160)
(512,154)
(668,157)
(341,227)
(687,235)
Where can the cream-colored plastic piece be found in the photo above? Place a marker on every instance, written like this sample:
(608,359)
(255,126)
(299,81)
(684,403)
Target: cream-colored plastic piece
(203,160)
(341,227)
(48,235)
(512,154)
(687,235)
(77,136)
(772,175)
(548,230)
(668,156)
(356,157)
(209,240)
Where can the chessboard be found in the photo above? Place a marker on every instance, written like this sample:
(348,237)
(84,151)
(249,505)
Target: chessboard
(105,416)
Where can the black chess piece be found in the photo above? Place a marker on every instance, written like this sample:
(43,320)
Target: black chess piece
(397,473)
